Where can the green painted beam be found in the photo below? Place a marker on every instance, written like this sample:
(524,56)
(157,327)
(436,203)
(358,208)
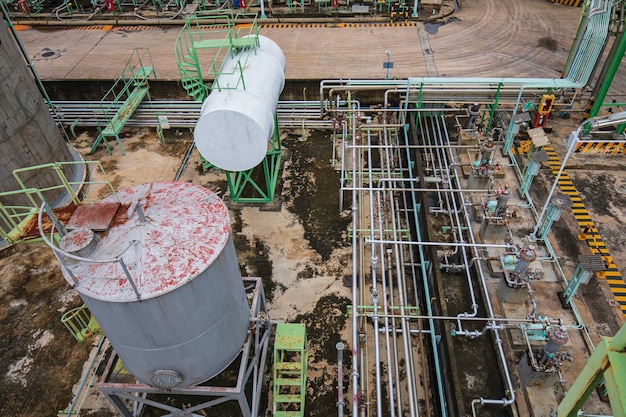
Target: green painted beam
(608,362)
(617,55)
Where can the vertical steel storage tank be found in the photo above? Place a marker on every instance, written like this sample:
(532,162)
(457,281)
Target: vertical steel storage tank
(191,317)
(237,119)
(28,135)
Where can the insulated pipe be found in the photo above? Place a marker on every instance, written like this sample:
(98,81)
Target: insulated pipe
(386,163)
(509,382)
(355,335)
(406,298)
(425,288)
(474,305)
(573,141)
(398,287)
(385,306)
(401,288)
(408,353)
(507,322)
(344,148)
(340,404)
(392,370)
(500,349)
(414,282)
(424,274)
(466,245)
(363,364)
(374,266)
(395,338)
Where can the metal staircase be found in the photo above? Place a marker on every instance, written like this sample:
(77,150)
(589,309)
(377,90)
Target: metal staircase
(198,42)
(129,89)
(290,364)
(80,323)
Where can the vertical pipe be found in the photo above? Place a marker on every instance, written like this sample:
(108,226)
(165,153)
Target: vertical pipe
(374,267)
(617,54)
(339,347)
(355,333)
(431,322)
(573,139)
(406,338)
(385,307)
(415,4)
(263,16)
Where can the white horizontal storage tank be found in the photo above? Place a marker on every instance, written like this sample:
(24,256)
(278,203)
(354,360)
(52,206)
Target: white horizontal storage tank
(236,124)
(191,318)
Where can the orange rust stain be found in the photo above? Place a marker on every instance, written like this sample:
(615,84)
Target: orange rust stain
(63,214)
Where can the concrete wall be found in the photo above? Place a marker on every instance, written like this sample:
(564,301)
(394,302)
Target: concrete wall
(28,135)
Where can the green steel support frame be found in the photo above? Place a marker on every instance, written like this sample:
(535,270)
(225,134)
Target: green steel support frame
(608,362)
(492,112)
(240,182)
(617,55)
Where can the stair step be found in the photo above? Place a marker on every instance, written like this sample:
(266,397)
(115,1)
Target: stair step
(288,381)
(287,398)
(192,91)
(194,81)
(288,414)
(191,83)
(194,88)
(288,366)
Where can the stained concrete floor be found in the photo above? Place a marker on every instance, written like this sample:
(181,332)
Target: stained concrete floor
(503,43)
(499,38)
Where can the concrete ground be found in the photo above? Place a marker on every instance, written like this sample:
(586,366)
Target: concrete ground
(484,38)
(495,38)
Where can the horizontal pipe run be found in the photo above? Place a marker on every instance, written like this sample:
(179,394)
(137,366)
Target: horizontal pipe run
(424,190)
(453,244)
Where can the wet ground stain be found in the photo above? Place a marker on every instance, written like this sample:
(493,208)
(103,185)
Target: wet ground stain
(476,362)
(549,43)
(323,326)
(254,260)
(598,192)
(313,192)
(30,311)
(433,27)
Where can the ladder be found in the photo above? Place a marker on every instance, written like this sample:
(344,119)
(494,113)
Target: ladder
(80,323)
(126,94)
(290,364)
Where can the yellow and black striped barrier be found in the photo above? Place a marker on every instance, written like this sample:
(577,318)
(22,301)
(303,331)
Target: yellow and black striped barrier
(335,25)
(606,148)
(610,148)
(589,233)
(574,3)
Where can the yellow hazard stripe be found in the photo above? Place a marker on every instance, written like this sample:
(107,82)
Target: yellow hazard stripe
(574,3)
(591,235)
(334,25)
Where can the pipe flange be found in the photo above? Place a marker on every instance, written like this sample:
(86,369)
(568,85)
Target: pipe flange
(166,379)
